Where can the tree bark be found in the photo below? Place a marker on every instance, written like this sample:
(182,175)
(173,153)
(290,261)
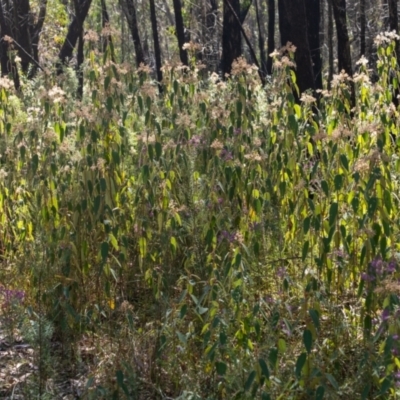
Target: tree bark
(22,32)
(313,13)
(362,28)
(261,41)
(298,35)
(231,39)
(180,31)
(344,52)
(130,12)
(271,33)
(330,45)
(157,50)
(7,66)
(284,25)
(73,33)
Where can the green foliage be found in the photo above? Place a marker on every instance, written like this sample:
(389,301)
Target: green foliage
(245,244)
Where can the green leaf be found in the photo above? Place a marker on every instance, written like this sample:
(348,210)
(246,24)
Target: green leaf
(301,360)
(365,392)
(264,368)
(314,314)
(104,251)
(344,161)
(319,394)
(372,206)
(250,380)
(338,181)
(109,104)
(183,311)
(273,357)
(333,381)
(307,340)
(120,381)
(281,345)
(325,188)
(305,250)
(221,368)
(333,212)
(306,224)
(182,337)
(35,163)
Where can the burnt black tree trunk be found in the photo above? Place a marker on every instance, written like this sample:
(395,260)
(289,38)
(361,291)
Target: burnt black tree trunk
(394,23)
(36,36)
(298,35)
(284,25)
(157,50)
(261,41)
(105,22)
(22,32)
(7,66)
(211,33)
(343,42)
(130,12)
(313,13)
(344,53)
(330,45)
(231,39)
(80,55)
(74,30)
(180,31)
(271,33)
(362,28)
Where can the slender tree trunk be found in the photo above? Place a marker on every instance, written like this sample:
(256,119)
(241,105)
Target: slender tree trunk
(130,12)
(298,35)
(74,31)
(157,50)
(212,41)
(79,65)
(7,66)
(23,30)
(344,53)
(271,33)
(394,23)
(284,25)
(36,36)
(330,45)
(180,32)
(261,41)
(105,21)
(231,39)
(362,28)
(313,13)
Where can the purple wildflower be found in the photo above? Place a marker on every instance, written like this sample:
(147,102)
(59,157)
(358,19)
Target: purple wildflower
(281,272)
(367,278)
(391,267)
(226,155)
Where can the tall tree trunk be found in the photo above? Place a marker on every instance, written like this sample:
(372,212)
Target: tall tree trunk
(79,65)
(74,30)
(7,65)
(313,13)
(105,21)
(284,25)
(362,28)
(394,23)
(231,39)
(298,35)
(271,33)
(36,36)
(330,45)
(261,41)
(344,53)
(211,34)
(130,12)
(180,31)
(157,50)
(22,32)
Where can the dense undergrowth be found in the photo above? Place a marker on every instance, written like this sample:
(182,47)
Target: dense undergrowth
(213,241)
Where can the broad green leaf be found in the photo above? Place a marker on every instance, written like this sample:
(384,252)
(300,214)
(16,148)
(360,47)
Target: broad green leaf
(264,368)
(249,381)
(104,251)
(301,360)
(221,368)
(307,340)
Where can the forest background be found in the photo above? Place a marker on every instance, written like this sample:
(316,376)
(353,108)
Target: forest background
(199,200)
